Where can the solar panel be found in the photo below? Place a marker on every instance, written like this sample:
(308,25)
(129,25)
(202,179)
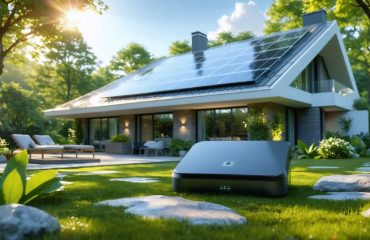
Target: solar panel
(241,62)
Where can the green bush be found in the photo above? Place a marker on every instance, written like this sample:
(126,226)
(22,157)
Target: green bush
(4,149)
(361,104)
(258,130)
(303,151)
(358,145)
(177,145)
(365,138)
(334,148)
(120,138)
(16,188)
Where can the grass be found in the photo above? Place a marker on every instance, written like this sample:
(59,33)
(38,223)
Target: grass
(291,217)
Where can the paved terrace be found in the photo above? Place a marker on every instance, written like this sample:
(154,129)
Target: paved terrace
(105,160)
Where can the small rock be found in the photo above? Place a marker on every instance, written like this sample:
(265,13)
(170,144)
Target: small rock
(364,169)
(323,167)
(135,180)
(158,206)
(18,221)
(341,196)
(96,173)
(344,183)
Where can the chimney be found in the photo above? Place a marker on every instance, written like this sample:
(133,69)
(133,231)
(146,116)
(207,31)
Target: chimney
(313,18)
(199,41)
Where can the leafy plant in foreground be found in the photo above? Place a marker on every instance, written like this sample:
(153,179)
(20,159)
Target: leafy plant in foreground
(14,186)
(308,152)
(335,148)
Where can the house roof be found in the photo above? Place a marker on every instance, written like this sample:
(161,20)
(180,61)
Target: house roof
(252,65)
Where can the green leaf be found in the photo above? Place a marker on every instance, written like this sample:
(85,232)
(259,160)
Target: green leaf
(12,187)
(38,179)
(45,187)
(19,162)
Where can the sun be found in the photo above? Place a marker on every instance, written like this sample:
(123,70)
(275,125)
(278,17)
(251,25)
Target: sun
(73,19)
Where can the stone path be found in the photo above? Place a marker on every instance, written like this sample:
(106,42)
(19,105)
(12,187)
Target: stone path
(135,180)
(169,207)
(344,183)
(102,172)
(323,167)
(340,196)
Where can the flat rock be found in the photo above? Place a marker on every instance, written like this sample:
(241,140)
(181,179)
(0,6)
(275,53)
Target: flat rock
(341,196)
(158,206)
(323,167)
(365,169)
(96,173)
(366,213)
(135,180)
(19,221)
(344,183)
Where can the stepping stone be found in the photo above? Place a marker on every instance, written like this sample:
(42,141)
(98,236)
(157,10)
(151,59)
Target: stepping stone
(341,196)
(363,169)
(168,207)
(323,167)
(366,164)
(135,180)
(65,183)
(96,173)
(344,183)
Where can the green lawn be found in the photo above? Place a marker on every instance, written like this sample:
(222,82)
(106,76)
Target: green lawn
(291,217)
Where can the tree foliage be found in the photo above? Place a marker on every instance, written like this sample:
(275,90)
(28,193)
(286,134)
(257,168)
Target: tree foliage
(130,58)
(352,18)
(228,37)
(179,47)
(67,72)
(23,20)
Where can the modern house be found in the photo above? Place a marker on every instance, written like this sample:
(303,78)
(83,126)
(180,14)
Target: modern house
(289,85)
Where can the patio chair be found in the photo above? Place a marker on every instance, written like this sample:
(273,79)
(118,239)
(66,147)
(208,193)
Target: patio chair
(153,146)
(135,147)
(74,148)
(25,142)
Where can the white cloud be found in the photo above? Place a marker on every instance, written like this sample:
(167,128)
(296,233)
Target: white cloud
(245,17)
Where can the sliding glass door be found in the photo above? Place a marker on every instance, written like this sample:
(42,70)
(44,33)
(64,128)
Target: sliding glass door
(101,130)
(157,127)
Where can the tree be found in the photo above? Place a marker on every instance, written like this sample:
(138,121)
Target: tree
(228,37)
(22,20)
(351,16)
(180,47)
(67,72)
(19,110)
(130,58)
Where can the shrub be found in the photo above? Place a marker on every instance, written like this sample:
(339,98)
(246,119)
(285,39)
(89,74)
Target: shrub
(358,145)
(177,145)
(4,150)
(346,124)
(361,104)
(365,138)
(304,151)
(16,188)
(258,131)
(120,138)
(72,139)
(334,148)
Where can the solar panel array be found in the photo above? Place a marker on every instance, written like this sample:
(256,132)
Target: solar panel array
(242,62)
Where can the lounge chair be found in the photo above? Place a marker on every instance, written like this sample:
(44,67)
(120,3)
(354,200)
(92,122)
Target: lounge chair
(25,142)
(75,148)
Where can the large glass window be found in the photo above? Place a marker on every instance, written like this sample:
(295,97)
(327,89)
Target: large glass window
(155,126)
(101,130)
(222,124)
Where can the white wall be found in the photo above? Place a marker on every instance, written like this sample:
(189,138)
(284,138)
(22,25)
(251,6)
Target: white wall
(360,121)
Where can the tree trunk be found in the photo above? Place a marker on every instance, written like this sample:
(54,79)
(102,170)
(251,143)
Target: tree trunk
(1,58)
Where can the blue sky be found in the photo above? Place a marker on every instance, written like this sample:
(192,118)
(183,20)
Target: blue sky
(157,23)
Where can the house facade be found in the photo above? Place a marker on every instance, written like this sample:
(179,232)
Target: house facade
(285,86)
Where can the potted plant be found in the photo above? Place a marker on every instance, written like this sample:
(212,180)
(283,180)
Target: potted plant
(179,147)
(119,144)
(5,152)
